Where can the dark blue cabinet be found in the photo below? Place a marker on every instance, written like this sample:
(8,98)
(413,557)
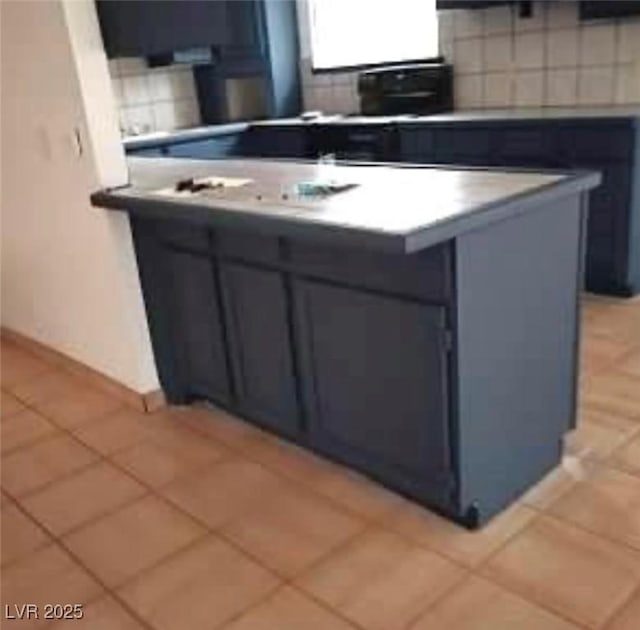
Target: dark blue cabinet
(263,43)
(609,146)
(393,364)
(256,313)
(392,423)
(210,148)
(360,143)
(143,28)
(272,141)
(608,9)
(444,5)
(197,325)
(245,51)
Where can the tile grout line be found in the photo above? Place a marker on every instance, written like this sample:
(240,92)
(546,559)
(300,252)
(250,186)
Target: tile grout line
(369,523)
(372,521)
(514,590)
(105,588)
(634,592)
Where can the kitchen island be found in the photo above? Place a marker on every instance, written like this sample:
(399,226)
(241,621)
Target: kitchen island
(418,324)
(604,139)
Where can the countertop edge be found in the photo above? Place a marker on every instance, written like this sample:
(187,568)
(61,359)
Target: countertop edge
(408,242)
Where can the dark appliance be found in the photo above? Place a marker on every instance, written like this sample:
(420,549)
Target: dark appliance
(417,88)
(607,9)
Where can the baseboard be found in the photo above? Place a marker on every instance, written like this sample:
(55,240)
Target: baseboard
(148,402)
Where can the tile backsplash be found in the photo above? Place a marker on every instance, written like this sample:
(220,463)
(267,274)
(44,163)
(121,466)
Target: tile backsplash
(153,99)
(502,61)
(549,59)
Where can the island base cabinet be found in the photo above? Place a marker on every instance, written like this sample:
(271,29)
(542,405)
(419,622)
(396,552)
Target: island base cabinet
(256,312)
(375,380)
(450,378)
(184,314)
(198,335)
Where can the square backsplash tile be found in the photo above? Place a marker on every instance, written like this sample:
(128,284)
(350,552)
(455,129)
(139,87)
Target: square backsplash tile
(552,59)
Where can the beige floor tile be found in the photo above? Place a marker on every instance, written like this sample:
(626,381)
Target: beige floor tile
(23,428)
(18,366)
(608,503)
(617,320)
(292,530)
(123,543)
(579,575)
(72,410)
(82,497)
(34,466)
(158,464)
(628,617)
(380,581)
(614,392)
(598,434)
(466,547)
(289,609)
(103,614)
(560,480)
(631,363)
(9,405)
(598,352)
(201,587)
(48,576)
(351,490)
(224,490)
(53,384)
(284,457)
(122,429)
(480,605)
(20,535)
(627,457)
(214,423)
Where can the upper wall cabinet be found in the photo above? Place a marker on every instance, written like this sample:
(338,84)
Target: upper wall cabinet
(443,5)
(262,42)
(606,9)
(139,28)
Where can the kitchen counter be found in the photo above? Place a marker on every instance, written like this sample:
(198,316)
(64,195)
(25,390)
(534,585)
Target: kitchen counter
(160,138)
(421,328)
(480,115)
(605,139)
(543,113)
(437,203)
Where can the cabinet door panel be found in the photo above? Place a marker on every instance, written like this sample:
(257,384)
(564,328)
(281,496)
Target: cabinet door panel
(147,27)
(208,149)
(375,380)
(260,346)
(269,141)
(245,42)
(197,325)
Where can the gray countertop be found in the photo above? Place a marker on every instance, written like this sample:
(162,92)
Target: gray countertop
(540,113)
(394,208)
(160,138)
(468,116)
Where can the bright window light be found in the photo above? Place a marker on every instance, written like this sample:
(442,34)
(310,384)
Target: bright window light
(348,33)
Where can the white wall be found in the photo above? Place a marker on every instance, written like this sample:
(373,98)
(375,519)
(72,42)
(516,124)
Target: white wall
(69,278)
(503,61)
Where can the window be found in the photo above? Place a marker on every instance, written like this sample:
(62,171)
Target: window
(349,33)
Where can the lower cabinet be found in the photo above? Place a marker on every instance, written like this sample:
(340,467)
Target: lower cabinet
(353,372)
(196,325)
(375,379)
(256,313)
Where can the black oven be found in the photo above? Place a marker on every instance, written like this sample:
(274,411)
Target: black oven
(417,88)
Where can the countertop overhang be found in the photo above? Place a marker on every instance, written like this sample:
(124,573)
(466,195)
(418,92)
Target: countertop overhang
(399,208)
